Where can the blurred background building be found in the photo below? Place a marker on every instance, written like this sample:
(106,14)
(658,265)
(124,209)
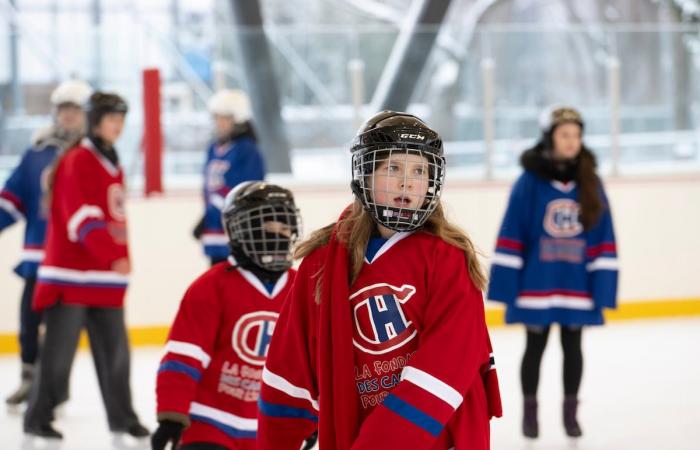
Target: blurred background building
(478,70)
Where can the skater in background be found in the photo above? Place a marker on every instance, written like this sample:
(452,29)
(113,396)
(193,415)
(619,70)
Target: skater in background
(382,343)
(22,199)
(209,379)
(233,157)
(556,259)
(83,278)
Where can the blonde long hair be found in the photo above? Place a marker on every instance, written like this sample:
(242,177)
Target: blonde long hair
(355,230)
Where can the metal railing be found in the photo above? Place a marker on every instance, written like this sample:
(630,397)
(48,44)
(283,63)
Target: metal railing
(636,85)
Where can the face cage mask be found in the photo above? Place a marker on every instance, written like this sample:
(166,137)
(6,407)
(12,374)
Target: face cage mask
(394,196)
(266,234)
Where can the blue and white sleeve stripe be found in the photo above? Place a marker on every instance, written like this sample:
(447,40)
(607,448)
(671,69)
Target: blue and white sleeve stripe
(180,367)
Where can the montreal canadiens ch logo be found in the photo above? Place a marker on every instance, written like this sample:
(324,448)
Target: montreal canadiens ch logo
(561,218)
(115,201)
(251,336)
(216,174)
(380,323)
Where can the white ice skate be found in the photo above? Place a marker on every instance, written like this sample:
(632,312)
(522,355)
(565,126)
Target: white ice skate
(123,441)
(36,442)
(15,401)
(136,437)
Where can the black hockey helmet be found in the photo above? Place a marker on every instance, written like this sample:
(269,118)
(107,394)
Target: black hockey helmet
(263,222)
(391,135)
(101,103)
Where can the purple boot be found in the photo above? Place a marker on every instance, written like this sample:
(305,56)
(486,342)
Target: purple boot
(531,428)
(570,423)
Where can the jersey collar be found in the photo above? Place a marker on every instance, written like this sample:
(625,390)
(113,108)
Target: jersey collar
(107,164)
(388,244)
(220,150)
(564,187)
(257,284)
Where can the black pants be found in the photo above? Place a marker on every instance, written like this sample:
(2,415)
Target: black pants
(573,359)
(202,446)
(110,352)
(29,322)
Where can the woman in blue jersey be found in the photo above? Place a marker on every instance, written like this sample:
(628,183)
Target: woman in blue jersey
(21,199)
(555,260)
(233,157)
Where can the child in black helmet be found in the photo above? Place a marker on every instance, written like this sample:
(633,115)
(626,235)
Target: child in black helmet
(209,379)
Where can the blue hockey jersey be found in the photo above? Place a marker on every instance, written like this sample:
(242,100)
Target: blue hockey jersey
(546,268)
(227,165)
(22,199)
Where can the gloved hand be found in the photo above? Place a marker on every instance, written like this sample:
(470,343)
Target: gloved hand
(168,431)
(198,229)
(310,441)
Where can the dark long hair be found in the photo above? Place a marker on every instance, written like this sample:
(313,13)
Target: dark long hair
(240,130)
(581,169)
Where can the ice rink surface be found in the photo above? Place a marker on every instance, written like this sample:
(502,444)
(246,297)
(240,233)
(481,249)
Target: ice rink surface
(641,391)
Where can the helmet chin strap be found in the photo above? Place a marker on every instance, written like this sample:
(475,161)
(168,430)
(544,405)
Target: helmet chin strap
(399,219)
(244,262)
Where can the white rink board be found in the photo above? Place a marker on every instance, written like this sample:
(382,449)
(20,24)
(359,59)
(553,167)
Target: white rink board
(657,223)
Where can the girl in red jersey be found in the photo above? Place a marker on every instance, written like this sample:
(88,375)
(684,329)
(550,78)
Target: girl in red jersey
(382,342)
(209,379)
(83,277)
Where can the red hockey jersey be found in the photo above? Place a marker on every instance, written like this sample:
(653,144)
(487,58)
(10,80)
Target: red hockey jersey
(423,374)
(86,233)
(215,355)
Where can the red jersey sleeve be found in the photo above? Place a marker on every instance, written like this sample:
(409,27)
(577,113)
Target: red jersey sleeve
(288,405)
(189,348)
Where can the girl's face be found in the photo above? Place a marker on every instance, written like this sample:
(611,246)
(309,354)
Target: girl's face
(70,117)
(400,180)
(277,227)
(567,141)
(110,127)
(224,125)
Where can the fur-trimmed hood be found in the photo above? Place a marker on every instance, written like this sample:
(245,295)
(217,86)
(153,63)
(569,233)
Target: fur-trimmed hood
(53,136)
(538,160)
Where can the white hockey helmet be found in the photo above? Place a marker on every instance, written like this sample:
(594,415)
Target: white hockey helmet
(231,102)
(76,92)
